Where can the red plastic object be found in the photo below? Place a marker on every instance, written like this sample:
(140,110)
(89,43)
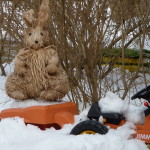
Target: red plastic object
(44,116)
(146,104)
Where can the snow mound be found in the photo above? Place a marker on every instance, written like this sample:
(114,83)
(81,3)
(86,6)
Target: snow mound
(135,114)
(111,103)
(15,135)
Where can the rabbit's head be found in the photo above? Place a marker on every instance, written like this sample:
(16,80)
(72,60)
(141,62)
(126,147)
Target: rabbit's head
(36,36)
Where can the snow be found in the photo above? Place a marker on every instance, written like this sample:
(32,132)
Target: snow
(101,119)
(16,135)
(135,114)
(113,104)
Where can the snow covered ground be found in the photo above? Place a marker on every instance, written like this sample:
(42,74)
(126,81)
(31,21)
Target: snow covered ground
(15,135)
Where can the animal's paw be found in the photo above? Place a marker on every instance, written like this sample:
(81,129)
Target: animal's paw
(49,95)
(18,95)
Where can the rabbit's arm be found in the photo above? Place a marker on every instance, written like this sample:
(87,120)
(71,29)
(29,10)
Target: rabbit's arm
(52,66)
(20,67)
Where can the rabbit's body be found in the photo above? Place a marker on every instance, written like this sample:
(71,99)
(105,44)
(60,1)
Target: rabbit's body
(35,77)
(37,71)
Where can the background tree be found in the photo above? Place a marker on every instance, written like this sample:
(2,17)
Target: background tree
(84,31)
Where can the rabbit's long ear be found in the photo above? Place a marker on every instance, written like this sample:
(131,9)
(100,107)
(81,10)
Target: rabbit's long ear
(29,18)
(43,13)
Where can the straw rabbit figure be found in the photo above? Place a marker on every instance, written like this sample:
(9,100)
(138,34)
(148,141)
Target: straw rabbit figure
(37,72)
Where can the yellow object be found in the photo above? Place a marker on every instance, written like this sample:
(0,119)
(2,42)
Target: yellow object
(88,132)
(104,120)
(130,64)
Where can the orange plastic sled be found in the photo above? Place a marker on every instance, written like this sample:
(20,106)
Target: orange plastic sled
(142,131)
(44,116)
